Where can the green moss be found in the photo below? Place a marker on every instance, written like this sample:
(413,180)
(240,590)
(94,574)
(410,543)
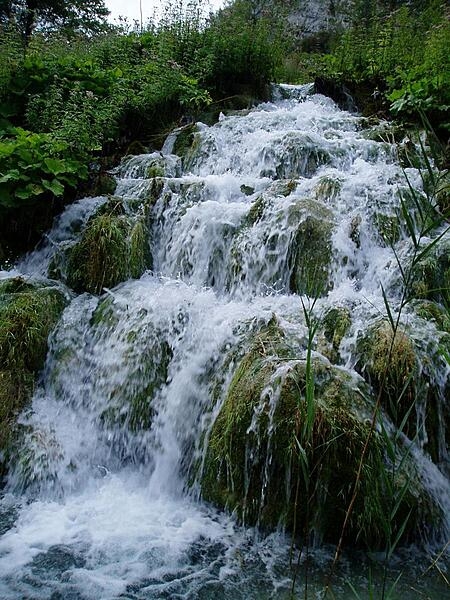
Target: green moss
(155,170)
(256,211)
(408,376)
(16,388)
(105,184)
(28,313)
(185,139)
(334,325)
(14,285)
(388,227)
(282,187)
(112,248)
(355,231)
(156,167)
(33,465)
(113,207)
(146,357)
(328,188)
(139,257)
(443,195)
(312,253)
(382,131)
(300,157)
(154,193)
(390,364)
(432,311)
(253,465)
(104,314)
(432,275)
(131,403)
(26,319)
(99,260)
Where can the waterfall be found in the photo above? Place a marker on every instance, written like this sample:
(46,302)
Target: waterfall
(266,210)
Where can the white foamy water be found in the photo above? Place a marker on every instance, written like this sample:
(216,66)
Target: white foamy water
(101,503)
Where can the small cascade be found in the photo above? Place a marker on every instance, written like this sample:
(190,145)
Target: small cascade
(173,392)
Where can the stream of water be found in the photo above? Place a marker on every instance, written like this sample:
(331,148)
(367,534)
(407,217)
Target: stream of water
(97,509)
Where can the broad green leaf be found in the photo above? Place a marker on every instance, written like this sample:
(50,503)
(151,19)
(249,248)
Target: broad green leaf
(55,166)
(53,186)
(12,175)
(32,189)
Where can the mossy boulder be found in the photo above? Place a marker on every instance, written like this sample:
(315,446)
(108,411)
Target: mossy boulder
(16,388)
(390,364)
(431,279)
(295,155)
(388,227)
(247,190)
(135,148)
(274,459)
(28,313)
(442,195)
(434,312)
(327,188)
(334,324)
(259,206)
(409,378)
(311,252)
(104,184)
(113,248)
(145,359)
(185,140)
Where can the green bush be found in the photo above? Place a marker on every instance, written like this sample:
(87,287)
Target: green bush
(33,166)
(66,101)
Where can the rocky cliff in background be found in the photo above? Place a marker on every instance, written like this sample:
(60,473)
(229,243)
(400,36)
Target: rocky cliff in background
(310,17)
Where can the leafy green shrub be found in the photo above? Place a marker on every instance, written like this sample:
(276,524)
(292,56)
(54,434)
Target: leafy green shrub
(65,101)
(33,165)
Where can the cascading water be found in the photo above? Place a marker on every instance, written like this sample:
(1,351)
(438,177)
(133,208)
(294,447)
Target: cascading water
(286,201)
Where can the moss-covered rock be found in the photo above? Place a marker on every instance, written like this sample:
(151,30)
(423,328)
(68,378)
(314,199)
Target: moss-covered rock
(28,313)
(16,388)
(433,311)
(442,195)
(276,190)
(247,189)
(112,248)
(390,364)
(328,188)
(431,279)
(388,227)
(311,252)
(185,139)
(274,460)
(145,359)
(334,325)
(256,211)
(135,148)
(409,377)
(294,155)
(130,404)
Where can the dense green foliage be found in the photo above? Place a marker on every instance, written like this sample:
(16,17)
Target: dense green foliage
(28,313)
(67,99)
(79,15)
(400,55)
